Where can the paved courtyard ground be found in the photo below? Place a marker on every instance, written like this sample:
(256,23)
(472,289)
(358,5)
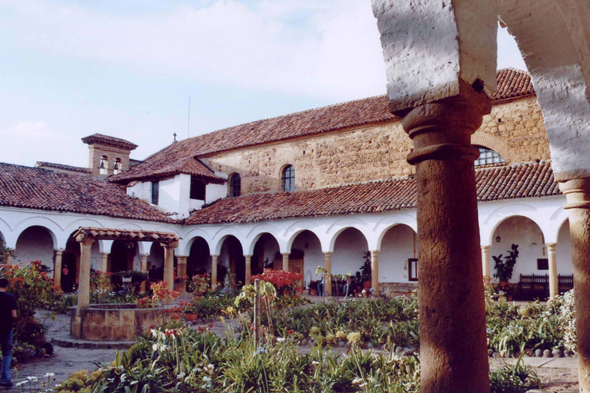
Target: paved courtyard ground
(558,374)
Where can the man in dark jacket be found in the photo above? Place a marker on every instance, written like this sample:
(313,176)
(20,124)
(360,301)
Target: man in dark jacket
(8,309)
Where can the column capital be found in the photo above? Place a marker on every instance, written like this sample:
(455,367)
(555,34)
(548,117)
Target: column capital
(59,251)
(486,248)
(85,240)
(214,256)
(551,246)
(577,193)
(442,129)
(375,252)
(285,254)
(181,259)
(107,254)
(144,255)
(172,245)
(248,256)
(328,254)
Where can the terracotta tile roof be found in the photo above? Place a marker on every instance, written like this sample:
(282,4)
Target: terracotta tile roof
(109,140)
(43,164)
(512,83)
(37,188)
(503,182)
(187,166)
(127,234)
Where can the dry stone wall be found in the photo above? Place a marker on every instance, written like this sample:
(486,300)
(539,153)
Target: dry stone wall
(375,152)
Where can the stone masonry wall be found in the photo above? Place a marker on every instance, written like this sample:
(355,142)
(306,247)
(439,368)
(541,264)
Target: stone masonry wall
(376,152)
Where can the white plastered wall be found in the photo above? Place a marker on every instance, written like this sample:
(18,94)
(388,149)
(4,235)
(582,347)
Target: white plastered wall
(398,246)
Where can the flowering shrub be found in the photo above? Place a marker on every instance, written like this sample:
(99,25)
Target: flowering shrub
(199,284)
(160,293)
(284,282)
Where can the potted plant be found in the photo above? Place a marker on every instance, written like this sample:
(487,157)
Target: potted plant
(504,269)
(190,312)
(313,288)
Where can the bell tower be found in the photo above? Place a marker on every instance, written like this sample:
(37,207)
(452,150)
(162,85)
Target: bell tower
(108,155)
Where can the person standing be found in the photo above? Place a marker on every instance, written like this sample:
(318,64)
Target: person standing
(8,309)
(65,276)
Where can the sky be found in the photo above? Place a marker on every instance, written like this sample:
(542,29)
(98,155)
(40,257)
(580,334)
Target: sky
(127,68)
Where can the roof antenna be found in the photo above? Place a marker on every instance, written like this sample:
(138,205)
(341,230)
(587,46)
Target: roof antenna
(189,117)
(174,137)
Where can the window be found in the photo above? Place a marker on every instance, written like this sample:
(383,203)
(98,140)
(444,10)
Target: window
(235,185)
(542,264)
(155,192)
(197,189)
(488,157)
(288,179)
(413,267)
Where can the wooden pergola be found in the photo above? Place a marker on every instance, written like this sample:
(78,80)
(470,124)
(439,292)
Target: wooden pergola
(87,235)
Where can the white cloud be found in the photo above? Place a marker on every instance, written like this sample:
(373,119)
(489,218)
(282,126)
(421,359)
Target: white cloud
(224,42)
(32,141)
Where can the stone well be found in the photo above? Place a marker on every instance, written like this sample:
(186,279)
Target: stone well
(114,322)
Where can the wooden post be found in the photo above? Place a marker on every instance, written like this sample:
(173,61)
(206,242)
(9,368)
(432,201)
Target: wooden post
(84,275)
(144,261)
(169,264)
(257,313)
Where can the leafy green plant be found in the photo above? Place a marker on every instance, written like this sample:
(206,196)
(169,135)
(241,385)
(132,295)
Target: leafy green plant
(516,378)
(505,268)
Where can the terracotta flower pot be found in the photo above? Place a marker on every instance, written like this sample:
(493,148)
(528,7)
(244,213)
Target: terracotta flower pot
(191,317)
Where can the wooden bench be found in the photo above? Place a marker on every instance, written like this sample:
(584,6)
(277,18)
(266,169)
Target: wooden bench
(536,286)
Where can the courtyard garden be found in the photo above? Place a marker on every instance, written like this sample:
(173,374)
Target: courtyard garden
(356,345)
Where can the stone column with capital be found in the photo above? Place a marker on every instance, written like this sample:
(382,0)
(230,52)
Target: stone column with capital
(84,274)
(57,268)
(214,259)
(328,274)
(577,193)
(553,279)
(453,347)
(181,270)
(375,271)
(9,256)
(144,269)
(104,262)
(485,261)
(169,264)
(248,261)
(286,261)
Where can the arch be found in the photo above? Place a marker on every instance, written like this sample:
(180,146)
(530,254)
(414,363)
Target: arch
(198,257)
(309,244)
(184,246)
(491,223)
(52,227)
(104,164)
(231,255)
(227,233)
(297,230)
(255,233)
(387,229)
(341,225)
(264,249)
(492,142)
(125,255)
(531,241)
(560,73)
(388,222)
(35,243)
(350,246)
(398,247)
